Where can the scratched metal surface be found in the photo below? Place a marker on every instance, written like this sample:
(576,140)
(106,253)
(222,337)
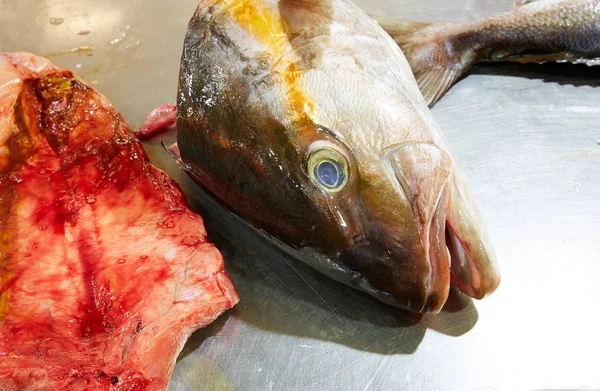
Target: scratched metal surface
(528,138)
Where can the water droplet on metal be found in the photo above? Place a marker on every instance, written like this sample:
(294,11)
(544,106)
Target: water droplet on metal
(56,21)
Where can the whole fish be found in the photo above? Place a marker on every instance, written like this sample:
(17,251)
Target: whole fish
(534,31)
(305,119)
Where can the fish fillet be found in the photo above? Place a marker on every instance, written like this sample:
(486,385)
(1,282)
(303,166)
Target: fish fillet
(104,271)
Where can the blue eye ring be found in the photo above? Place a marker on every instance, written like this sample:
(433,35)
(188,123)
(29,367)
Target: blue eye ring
(328,168)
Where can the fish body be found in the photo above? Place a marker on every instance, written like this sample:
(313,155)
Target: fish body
(305,119)
(533,31)
(104,271)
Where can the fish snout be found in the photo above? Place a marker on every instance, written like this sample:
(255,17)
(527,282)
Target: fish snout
(423,232)
(448,224)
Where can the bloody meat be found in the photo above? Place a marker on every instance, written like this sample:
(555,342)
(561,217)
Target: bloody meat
(104,271)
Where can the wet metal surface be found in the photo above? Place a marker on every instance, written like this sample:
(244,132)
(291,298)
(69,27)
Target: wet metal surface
(528,137)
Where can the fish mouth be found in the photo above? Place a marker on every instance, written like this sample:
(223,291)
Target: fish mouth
(473,267)
(461,264)
(439,257)
(450,262)
(451,265)
(444,256)
(453,248)
(457,261)
(466,274)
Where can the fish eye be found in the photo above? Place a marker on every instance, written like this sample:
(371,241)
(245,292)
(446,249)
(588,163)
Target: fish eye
(328,168)
(329,173)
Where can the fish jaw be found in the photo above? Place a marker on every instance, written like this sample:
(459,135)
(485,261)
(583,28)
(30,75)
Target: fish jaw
(474,271)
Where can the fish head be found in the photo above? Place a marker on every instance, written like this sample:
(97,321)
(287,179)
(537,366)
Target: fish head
(307,122)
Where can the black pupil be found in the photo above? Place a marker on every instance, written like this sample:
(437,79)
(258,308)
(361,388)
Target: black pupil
(329,174)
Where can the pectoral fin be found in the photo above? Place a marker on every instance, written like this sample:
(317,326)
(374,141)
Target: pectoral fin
(435,82)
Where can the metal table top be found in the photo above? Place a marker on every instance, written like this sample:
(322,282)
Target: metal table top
(528,138)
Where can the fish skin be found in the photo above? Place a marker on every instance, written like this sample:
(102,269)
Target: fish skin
(533,31)
(265,83)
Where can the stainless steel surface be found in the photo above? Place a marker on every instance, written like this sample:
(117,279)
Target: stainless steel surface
(528,138)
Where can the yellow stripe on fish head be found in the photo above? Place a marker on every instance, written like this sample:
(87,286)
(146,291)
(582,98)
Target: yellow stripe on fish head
(267,26)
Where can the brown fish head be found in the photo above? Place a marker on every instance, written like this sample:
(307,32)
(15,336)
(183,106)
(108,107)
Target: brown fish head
(310,125)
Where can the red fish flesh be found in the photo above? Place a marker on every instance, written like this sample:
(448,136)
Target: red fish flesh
(104,271)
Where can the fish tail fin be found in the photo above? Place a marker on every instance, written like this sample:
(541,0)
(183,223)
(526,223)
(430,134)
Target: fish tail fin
(432,54)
